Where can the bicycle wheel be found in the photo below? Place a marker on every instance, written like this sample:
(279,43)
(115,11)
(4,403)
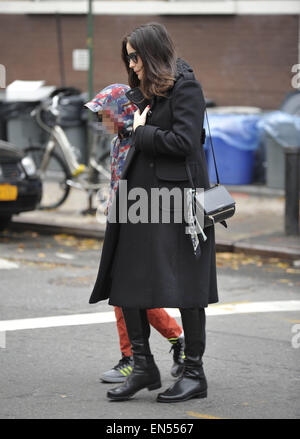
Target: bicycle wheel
(54,178)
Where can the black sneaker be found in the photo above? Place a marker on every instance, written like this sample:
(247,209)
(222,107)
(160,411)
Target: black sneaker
(178,355)
(120,372)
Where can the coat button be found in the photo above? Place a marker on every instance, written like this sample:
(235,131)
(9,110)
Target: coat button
(149,113)
(151,164)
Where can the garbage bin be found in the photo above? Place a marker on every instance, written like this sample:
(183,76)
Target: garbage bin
(235,139)
(22,130)
(279,130)
(71,119)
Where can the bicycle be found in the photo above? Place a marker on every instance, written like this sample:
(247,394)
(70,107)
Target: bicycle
(57,163)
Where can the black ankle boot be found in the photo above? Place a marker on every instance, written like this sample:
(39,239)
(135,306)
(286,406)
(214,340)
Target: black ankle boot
(191,384)
(145,374)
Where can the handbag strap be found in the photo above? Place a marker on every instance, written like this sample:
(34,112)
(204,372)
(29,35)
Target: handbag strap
(213,152)
(190,76)
(212,148)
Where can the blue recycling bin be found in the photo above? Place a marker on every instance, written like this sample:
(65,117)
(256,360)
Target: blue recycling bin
(235,139)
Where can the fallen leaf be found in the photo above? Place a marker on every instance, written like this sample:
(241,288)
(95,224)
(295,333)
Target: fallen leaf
(282,265)
(292,270)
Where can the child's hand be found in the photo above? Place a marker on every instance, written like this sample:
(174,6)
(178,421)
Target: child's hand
(140,119)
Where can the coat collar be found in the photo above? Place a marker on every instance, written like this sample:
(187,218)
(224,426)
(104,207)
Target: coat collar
(182,67)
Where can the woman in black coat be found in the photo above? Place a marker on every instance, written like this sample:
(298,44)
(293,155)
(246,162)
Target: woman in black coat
(148,259)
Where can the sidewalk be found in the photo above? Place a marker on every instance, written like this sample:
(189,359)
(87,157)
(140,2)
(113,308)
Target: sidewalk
(256,228)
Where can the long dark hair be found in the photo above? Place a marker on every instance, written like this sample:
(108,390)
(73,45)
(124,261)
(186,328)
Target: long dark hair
(156,49)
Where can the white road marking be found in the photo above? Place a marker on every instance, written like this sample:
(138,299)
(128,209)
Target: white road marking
(7,265)
(51,322)
(2,340)
(64,255)
(107,317)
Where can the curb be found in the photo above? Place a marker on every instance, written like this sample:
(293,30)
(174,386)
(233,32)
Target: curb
(52,229)
(221,246)
(256,190)
(258,250)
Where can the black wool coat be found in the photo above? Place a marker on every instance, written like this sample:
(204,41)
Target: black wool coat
(152,264)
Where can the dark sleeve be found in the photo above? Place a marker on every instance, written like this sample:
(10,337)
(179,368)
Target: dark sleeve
(188,107)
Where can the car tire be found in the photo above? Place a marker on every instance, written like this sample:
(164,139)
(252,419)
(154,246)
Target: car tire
(4,221)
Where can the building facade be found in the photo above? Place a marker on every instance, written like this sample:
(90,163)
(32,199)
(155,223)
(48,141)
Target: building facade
(241,58)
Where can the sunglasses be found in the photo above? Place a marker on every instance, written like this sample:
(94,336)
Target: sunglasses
(133,56)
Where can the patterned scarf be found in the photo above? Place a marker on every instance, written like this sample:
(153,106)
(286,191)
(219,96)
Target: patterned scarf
(118,153)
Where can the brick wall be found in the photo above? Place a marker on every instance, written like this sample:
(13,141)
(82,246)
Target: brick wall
(240,60)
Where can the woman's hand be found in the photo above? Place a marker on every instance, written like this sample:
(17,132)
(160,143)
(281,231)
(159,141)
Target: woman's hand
(140,119)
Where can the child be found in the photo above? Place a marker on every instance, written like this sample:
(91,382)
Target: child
(117,117)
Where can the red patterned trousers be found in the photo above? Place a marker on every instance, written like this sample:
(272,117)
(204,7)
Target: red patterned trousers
(158,318)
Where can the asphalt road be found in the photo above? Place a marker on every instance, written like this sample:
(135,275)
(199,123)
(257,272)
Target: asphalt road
(252,360)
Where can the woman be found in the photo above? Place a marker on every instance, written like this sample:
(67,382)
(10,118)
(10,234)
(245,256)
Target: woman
(151,264)
(112,105)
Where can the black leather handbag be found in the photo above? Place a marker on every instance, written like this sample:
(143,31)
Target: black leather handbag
(213,205)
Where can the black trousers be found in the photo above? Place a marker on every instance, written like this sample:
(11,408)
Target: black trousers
(138,329)
(193,322)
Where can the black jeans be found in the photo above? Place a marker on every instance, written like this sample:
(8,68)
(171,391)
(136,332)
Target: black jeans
(138,330)
(193,322)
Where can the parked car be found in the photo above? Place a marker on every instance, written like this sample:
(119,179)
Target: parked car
(20,187)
